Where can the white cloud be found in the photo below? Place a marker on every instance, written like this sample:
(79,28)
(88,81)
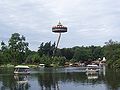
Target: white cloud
(89,22)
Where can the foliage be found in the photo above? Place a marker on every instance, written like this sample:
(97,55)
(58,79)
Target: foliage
(96,52)
(17,47)
(81,54)
(112,53)
(46,60)
(58,61)
(46,49)
(17,52)
(87,53)
(67,53)
(33,58)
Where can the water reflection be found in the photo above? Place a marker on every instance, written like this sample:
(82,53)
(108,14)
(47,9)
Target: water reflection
(59,79)
(48,81)
(92,76)
(54,79)
(21,82)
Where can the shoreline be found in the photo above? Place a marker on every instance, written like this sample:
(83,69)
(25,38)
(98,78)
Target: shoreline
(11,65)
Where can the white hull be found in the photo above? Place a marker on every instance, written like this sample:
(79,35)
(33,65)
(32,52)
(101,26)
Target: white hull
(21,72)
(92,69)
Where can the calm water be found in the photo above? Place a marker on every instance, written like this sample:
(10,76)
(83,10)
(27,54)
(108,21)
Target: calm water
(59,79)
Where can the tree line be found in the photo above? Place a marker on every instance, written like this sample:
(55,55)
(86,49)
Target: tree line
(17,52)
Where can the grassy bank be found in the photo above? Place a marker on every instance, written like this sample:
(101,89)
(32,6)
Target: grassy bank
(10,65)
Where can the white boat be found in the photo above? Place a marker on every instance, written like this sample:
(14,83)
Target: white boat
(41,65)
(92,69)
(21,69)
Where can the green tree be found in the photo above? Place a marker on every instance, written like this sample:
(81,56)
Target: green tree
(112,53)
(17,47)
(5,55)
(46,60)
(81,54)
(33,58)
(3,47)
(46,49)
(67,53)
(96,52)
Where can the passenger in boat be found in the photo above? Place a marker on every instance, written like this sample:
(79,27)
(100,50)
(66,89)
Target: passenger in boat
(25,70)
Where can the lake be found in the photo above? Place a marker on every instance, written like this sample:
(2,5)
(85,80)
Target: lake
(70,78)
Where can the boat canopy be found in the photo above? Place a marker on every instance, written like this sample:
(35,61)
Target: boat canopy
(20,66)
(42,64)
(92,65)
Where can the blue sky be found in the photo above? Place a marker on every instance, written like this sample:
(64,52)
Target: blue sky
(89,22)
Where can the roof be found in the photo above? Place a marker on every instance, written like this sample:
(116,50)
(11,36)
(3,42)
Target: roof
(41,64)
(92,65)
(20,66)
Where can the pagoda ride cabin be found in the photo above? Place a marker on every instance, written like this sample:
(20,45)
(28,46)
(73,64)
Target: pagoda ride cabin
(21,69)
(59,28)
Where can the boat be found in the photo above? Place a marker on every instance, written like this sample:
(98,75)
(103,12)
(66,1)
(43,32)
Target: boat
(21,69)
(41,65)
(92,69)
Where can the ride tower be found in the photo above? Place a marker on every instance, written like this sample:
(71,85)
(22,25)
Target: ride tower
(58,29)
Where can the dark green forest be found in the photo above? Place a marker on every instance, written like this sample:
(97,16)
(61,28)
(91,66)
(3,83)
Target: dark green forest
(17,51)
